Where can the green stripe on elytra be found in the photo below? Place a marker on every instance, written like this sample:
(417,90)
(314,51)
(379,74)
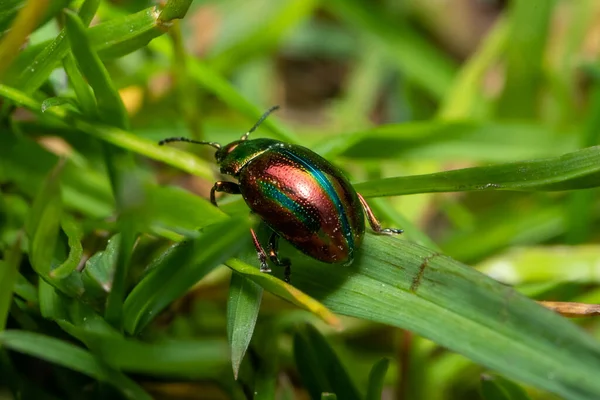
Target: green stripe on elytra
(286,201)
(330,190)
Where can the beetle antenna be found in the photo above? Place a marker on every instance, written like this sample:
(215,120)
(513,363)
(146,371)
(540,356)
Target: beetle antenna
(260,121)
(183,139)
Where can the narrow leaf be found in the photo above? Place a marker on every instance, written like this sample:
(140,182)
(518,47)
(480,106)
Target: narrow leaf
(9,271)
(577,170)
(400,283)
(284,290)
(110,106)
(72,357)
(74,236)
(126,140)
(33,75)
(44,222)
(180,268)
(242,312)
(376,379)
(495,387)
(319,366)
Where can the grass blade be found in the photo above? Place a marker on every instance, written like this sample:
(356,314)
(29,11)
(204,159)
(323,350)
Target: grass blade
(34,74)
(72,357)
(319,366)
(74,236)
(110,106)
(397,283)
(22,26)
(242,312)
(376,379)
(121,138)
(9,272)
(577,170)
(495,387)
(284,290)
(529,24)
(419,60)
(179,269)
(450,140)
(44,222)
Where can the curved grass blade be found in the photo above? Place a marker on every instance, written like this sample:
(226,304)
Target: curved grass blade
(243,306)
(576,170)
(216,84)
(97,275)
(25,22)
(495,387)
(74,236)
(126,140)
(415,57)
(284,290)
(35,73)
(464,98)
(403,284)
(179,269)
(110,106)
(207,358)
(376,379)
(319,367)
(72,357)
(524,56)
(44,222)
(450,140)
(9,273)
(545,264)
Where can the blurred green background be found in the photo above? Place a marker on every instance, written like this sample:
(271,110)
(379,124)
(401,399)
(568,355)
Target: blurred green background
(116,272)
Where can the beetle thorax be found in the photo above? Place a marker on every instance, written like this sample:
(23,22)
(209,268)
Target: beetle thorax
(233,157)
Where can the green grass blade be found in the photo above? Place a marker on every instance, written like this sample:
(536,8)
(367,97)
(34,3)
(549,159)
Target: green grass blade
(400,283)
(179,269)
(242,312)
(83,91)
(545,264)
(529,23)
(72,357)
(185,359)
(280,18)
(572,171)
(376,379)
(174,9)
(35,73)
(74,236)
(319,367)
(99,270)
(284,290)
(464,98)
(495,387)
(450,140)
(44,222)
(415,57)
(9,272)
(216,84)
(121,138)
(27,19)
(110,106)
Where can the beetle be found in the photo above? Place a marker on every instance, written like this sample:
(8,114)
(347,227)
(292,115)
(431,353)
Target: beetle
(301,197)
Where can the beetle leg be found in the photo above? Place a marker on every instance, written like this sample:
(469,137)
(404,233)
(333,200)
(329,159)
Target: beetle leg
(222,186)
(284,262)
(375,225)
(262,256)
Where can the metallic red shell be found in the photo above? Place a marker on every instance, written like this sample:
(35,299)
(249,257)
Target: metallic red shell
(306,200)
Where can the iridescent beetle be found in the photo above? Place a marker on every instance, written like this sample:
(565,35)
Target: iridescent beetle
(301,196)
